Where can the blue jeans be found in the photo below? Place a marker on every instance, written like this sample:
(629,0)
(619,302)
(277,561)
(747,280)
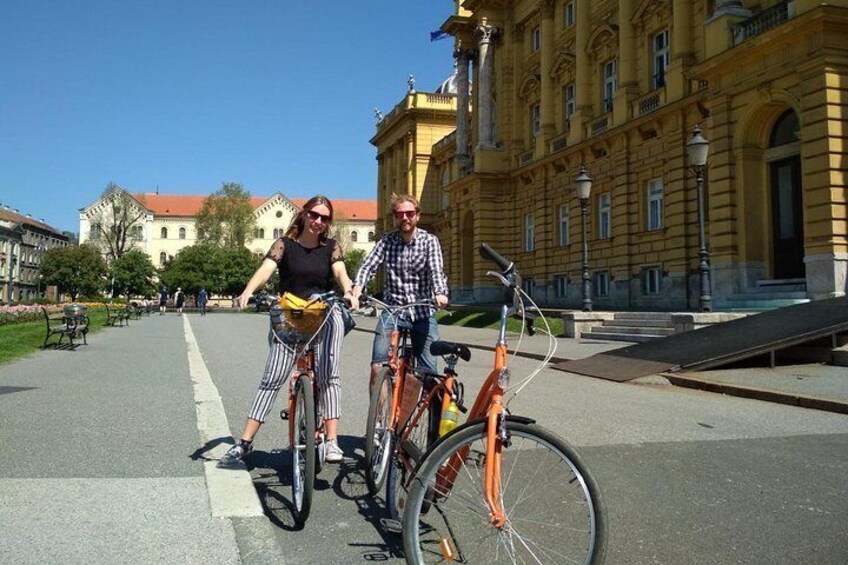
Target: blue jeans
(423,332)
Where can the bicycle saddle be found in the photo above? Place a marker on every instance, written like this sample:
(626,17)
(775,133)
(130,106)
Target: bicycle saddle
(448,348)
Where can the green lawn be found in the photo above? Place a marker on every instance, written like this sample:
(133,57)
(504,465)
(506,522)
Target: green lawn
(468,318)
(17,340)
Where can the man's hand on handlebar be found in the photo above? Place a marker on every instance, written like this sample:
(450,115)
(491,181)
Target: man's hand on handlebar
(441,301)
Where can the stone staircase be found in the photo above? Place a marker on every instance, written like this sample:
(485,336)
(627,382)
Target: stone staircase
(633,326)
(766,295)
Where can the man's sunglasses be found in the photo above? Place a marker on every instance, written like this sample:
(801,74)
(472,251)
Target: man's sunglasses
(314,216)
(406,214)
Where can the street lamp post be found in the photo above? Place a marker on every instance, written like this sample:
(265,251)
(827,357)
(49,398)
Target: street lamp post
(584,189)
(40,277)
(698,149)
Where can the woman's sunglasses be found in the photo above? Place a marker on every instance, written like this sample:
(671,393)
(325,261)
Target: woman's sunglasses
(315,216)
(406,214)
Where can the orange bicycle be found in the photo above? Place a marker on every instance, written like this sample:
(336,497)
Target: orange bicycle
(404,413)
(500,488)
(306,427)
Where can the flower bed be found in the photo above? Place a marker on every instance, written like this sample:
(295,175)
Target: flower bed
(20,313)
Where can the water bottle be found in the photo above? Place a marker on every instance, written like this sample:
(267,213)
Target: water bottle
(449,419)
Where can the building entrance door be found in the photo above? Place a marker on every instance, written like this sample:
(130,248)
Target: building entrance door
(787,219)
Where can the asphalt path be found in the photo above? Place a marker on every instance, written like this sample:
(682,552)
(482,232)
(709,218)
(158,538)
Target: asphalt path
(687,476)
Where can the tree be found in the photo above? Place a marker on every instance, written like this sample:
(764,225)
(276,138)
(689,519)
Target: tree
(226,218)
(133,273)
(221,271)
(113,222)
(353,261)
(74,270)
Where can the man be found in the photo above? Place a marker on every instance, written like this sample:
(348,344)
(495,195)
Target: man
(413,264)
(202,299)
(179,300)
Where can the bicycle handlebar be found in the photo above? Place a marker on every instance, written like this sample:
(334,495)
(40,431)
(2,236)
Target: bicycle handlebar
(505,265)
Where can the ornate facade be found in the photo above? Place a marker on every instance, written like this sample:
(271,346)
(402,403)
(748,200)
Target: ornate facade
(618,86)
(23,241)
(165,223)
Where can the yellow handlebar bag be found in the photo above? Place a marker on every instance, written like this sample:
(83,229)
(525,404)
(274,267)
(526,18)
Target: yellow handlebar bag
(297,319)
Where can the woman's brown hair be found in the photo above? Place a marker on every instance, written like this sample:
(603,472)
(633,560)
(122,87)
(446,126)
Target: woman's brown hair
(297,225)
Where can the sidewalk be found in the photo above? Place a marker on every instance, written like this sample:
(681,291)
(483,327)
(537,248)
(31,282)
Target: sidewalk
(101,463)
(822,387)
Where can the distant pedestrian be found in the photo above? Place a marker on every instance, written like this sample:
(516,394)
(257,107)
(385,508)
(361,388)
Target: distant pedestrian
(202,299)
(179,300)
(163,300)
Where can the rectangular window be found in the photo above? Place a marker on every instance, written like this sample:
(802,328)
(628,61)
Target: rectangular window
(528,286)
(609,84)
(535,119)
(568,14)
(604,216)
(600,283)
(655,204)
(563,224)
(529,233)
(569,97)
(560,285)
(535,39)
(661,58)
(651,280)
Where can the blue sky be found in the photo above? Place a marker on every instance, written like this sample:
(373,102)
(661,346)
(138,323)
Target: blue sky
(186,95)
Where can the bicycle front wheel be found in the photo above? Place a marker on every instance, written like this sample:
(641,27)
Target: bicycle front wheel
(378,432)
(302,421)
(554,512)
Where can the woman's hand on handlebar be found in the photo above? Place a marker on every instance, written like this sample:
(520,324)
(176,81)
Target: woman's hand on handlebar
(242,300)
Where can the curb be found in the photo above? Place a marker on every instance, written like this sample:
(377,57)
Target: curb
(791,399)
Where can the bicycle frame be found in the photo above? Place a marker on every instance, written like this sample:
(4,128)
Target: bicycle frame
(489,405)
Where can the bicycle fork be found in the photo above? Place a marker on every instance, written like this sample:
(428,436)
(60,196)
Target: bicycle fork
(496,428)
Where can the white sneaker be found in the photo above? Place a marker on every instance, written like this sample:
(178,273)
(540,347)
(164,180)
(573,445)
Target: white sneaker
(332,452)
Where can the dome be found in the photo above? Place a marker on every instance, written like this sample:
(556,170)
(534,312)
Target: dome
(451,84)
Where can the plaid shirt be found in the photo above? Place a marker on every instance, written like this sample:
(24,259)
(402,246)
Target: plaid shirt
(414,270)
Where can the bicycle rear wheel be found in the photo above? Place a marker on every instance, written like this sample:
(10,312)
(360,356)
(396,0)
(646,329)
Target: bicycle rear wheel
(554,512)
(302,421)
(378,433)
(417,442)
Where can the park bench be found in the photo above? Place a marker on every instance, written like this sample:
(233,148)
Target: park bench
(114,316)
(65,326)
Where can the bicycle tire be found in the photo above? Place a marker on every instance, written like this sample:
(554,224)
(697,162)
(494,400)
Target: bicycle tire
(303,449)
(378,434)
(397,483)
(565,517)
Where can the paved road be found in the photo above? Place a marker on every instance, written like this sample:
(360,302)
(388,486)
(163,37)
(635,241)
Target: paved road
(688,476)
(102,461)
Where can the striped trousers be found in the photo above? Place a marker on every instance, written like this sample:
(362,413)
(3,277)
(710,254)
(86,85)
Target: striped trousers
(281,360)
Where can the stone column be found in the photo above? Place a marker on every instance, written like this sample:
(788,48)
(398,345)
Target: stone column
(676,82)
(485,50)
(583,82)
(546,7)
(410,164)
(462,57)
(628,85)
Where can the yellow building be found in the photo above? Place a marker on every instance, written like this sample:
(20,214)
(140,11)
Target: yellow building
(618,86)
(165,222)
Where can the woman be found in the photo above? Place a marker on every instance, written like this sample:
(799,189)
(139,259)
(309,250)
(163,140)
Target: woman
(308,262)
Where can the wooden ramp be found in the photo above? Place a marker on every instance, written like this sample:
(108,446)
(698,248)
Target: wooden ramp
(719,344)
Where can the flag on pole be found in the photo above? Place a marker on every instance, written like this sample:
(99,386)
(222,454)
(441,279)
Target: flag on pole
(438,34)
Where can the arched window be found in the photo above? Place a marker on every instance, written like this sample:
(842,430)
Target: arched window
(785,130)
(182,233)
(162,257)
(261,233)
(164,233)
(354,236)
(370,236)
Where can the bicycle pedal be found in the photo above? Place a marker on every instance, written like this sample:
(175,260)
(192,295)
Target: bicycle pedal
(391,525)
(284,414)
